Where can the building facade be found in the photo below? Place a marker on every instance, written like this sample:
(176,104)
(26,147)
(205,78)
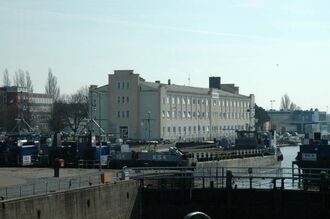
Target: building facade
(21,108)
(138,109)
(308,121)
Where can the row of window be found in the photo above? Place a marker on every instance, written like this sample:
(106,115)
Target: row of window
(122,85)
(198,128)
(38,100)
(202,115)
(123,114)
(122,99)
(191,100)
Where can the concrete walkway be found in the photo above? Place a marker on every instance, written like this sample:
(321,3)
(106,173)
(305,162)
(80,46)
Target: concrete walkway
(16,176)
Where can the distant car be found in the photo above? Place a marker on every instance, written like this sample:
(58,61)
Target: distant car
(152,142)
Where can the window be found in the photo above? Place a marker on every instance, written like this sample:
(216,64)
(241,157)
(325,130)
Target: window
(167,100)
(163,114)
(127,114)
(169,129)
(173,100)
(189,128)
(194,114)
(123,114)
(127,99)
(184,114)
(118,85)
(178,100)
(123,99)
(173,114)
(189,114)
(118,114)
(122,85)
(188,100)
(118,99)
(168,114)
(179,114)
(184,129)
(127,85)
(194,101)
(179,129)
(184,100)
(174,129)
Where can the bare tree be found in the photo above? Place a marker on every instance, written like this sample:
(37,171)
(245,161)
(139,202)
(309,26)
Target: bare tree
(29,84)
(70,111)
(16,79)
(21,74)
(78,108)
(19,78)
(294,107)
(6,80)
(287,104)
(51,86)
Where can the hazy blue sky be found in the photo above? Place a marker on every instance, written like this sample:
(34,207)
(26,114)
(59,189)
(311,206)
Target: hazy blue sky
(268,48)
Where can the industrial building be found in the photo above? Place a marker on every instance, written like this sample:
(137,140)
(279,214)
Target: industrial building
(301,121)
(20,108)
(132,108)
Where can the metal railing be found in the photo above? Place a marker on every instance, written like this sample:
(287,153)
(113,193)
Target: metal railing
(49,185)
(205,177)
(240,177)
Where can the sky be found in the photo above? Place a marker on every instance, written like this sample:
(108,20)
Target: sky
(267,48)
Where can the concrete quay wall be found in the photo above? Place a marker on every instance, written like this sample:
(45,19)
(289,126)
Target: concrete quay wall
(264,161)
(118,200)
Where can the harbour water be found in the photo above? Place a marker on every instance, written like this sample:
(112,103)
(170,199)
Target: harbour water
(289,155)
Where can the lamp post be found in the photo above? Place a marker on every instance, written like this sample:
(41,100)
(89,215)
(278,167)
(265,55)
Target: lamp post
(271,104)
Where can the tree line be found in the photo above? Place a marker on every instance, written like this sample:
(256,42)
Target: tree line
(68,110)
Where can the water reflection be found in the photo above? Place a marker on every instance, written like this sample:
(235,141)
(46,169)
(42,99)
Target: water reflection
(289,155)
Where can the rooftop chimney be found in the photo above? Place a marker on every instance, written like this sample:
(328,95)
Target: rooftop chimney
(169,81)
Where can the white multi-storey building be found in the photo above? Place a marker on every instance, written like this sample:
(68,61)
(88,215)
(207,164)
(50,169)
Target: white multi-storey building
(152,110)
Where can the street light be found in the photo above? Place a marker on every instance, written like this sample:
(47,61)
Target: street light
(271,104)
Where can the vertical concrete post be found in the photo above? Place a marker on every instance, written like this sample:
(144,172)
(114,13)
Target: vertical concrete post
(250,171)
(211,184)
(229,179)
(282,184)
(323,181)
(222,176)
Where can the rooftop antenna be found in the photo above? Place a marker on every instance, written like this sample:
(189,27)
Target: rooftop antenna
(189,79)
